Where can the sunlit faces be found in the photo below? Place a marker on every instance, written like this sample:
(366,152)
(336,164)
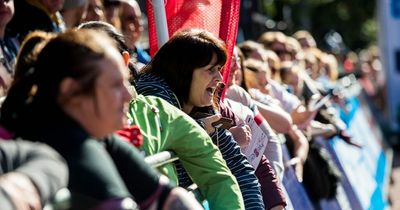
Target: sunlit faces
(53,5)
(235,70)
(6,12)
(261,78)
(204,82)
(292,80)
(304,43)
(109,104)
(131,23)
(280,49)
(256,73)
(262,75)
(95,11)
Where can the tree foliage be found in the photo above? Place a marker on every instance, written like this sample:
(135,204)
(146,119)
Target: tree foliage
(355,20)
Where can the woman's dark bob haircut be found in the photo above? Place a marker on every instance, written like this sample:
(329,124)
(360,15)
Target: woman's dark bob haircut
(181,55)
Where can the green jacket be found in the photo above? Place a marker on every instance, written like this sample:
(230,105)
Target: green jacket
(164,127)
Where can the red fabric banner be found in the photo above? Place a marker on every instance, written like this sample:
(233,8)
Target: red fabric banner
(221,17)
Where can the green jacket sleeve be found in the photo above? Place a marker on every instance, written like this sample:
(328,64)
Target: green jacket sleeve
(165,127)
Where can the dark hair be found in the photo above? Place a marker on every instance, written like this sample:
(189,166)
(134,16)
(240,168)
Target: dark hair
(285,69)
(187,50)
(268,38)
(71,54)
(30,49)
(110,30)
(111,3)
(254,65)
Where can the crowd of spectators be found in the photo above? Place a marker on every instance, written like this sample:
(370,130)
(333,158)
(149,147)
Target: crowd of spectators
(82,104)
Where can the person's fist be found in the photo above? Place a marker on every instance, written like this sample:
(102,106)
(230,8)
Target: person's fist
(242,135)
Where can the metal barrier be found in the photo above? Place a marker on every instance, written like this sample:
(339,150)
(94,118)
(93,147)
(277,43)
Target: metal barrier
(365,170)
(161,158)
(165,157)
(61,201)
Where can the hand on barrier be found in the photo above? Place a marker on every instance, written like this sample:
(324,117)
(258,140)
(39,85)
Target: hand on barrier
(21,191)
(298,167)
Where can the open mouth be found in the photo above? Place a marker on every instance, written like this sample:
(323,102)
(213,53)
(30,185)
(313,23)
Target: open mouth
(210,90)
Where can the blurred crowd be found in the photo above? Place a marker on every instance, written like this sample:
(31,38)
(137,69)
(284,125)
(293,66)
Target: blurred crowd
(83,104)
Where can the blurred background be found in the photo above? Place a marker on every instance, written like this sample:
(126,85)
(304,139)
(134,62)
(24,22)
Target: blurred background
(363,35)
(334,24)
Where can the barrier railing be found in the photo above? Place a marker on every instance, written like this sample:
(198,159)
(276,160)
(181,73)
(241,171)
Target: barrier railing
(165,157)
(365,171)
(161,158)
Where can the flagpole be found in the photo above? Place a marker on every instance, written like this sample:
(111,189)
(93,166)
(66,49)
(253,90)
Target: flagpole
(161,22)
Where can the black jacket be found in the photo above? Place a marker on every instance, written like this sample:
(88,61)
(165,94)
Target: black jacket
(100,170)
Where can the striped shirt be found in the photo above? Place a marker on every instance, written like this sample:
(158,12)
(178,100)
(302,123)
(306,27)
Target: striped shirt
(148,84)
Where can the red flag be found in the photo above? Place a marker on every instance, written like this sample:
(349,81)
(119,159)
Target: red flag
(220,17)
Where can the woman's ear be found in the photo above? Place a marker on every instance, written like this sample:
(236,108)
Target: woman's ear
(69,87)
(126,56)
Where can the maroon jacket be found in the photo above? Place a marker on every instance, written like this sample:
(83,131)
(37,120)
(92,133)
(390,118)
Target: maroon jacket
(270,186)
